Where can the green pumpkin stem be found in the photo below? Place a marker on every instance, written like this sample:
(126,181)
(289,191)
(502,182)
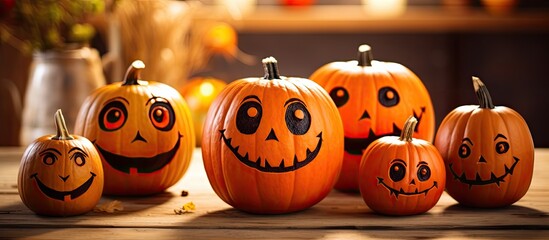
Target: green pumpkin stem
(61,127)
(483,96)
(365,56)
(408,130)
(270,66)
(133,73)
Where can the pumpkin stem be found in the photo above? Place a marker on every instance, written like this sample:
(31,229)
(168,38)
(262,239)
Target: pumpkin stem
(408,130)
(483,96)
(271,68)
(61,127)
(365,56)
(133,73)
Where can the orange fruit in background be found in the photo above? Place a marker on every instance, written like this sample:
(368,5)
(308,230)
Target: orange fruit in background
(199,92)
(221,38)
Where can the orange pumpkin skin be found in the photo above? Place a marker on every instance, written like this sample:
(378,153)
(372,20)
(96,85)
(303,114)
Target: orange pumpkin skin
(199,94)
(60,177)
(488,152)
(401,175)
(272,145)
(374,98)
(143,131)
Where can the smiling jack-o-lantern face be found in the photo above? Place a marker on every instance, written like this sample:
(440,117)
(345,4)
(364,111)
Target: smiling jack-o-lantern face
(273,144)
(142,131)
(61,175)
(488,152)
(374,98)
(401,175)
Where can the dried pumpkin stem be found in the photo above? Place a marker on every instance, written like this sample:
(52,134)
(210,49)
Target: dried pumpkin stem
(408,130)
(61,127)
(134,73)
(270,66)
(365,56)
(483,96)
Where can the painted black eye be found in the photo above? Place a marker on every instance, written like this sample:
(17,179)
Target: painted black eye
(464,151)
(113,116)
(388,96)
(79,159)
(162,116)
(340,96)
(49,158)
(248,117)
(298,118)
(397,171)
(502,147)
(423,173)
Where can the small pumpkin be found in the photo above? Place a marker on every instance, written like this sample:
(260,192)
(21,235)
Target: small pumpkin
(272,144)
(374,98)
(199,94)
(60,175)
(488,152)
(401,175)
(143,131)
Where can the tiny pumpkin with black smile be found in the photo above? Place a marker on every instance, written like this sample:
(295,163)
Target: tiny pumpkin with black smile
(401,175)
(61,175)
(373,98)
(143,132)
(272,144)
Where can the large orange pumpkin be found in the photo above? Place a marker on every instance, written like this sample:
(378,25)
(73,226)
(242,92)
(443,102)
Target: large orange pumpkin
(401,175)
(272,144)
(60,175)
(374,98)
(488,152)
(143,131)
(199,94)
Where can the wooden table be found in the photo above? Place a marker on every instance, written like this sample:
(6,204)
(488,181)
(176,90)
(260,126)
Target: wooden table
(339,216)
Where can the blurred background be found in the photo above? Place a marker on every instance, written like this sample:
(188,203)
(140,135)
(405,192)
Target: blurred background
(503,42)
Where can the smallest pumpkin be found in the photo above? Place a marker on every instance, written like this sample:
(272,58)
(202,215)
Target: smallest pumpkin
(401,175)
(60,175)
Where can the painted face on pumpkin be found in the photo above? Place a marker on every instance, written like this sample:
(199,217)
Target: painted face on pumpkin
(399,184)
(55,162)
(161,120)
(503,168)
(254,122)
(388,100)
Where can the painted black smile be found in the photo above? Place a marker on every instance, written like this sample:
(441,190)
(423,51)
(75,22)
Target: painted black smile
(401,191)
(60,195)
(268,168)
(356,146)
(141,164)
(478,180)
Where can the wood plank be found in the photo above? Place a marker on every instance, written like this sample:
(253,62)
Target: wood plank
(215,234)
(337,211)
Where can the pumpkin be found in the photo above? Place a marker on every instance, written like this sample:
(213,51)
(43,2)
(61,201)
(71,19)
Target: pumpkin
(199,94)
(272,144)
(374,98)
(143,131)
(401,175)
(60,175)
(488,152)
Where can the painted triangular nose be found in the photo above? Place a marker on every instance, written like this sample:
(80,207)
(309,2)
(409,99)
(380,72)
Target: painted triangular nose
(364,115)
(482,159)
(413,182)
(272,136)
(64,178)
(138,137)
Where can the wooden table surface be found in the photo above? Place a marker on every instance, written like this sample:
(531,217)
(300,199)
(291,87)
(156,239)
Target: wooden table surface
(338,216)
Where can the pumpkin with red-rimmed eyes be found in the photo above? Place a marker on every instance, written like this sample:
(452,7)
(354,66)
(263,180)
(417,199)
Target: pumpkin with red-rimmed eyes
(488,152)
(401,175)
(143,132)
(272,144)
(374,98)
(60,175)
